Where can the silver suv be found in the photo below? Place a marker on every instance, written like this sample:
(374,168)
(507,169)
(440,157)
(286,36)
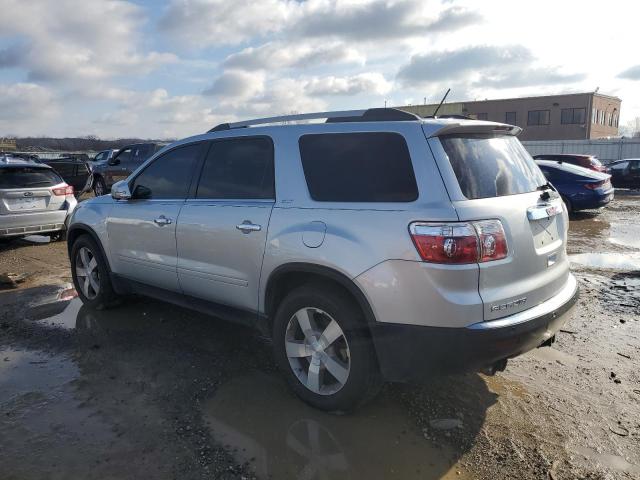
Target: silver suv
(33,199)
(373,246)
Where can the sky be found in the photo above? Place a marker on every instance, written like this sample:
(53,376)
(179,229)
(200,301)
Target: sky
(151,69)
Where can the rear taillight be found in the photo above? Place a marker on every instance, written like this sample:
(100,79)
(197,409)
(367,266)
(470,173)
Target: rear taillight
(594,186)
(63,191)
(457,243)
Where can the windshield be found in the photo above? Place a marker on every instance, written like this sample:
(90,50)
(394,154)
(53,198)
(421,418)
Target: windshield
(27,177)
(491,165)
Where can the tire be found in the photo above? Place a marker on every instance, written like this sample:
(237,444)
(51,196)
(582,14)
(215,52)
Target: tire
(350,347)
(99,187)
(567,204)
(98,293)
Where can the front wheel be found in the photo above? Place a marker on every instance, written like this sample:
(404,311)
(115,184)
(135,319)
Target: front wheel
(91,274)
(99,187)
(323,348)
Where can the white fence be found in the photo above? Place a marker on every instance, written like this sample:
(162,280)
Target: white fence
(606,150)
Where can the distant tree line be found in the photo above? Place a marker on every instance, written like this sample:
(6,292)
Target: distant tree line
(92,143)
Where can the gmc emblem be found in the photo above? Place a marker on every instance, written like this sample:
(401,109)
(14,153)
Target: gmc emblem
(28,194)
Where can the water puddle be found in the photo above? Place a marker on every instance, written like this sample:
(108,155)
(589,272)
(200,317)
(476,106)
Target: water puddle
(606,460)
(258,418)
(60,311)
(26,371)
(607,261)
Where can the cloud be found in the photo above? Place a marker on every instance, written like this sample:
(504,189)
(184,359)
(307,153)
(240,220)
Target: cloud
(367,83)
(203,23)
(75,40)
(528,77)
(200,23)
(20,101)
(442,66)
(236,84)
(632,73)
(275,55)
(379,19)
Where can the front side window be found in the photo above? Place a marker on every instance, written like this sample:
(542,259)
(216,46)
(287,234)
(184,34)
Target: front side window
(491,165)
(358,167)
(538,117)
(124,155)
(237,169)
(168,176)
(619,166)
(572,116)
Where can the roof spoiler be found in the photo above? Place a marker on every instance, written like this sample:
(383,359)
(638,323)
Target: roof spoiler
(477,127)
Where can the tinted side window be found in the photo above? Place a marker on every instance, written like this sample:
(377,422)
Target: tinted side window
(619,166)
(169,176)
(358,167)
(241,168)
(124,155)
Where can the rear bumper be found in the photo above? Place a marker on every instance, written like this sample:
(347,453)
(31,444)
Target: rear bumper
(412,353)
(596,200)
(33,223)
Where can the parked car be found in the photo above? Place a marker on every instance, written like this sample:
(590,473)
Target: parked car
(73,170)
(121,165)
(104,156)
(377,245)
(580,188)
(586,161)
(625,173)
(33,199)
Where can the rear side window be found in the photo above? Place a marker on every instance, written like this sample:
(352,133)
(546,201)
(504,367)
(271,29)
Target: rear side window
(25,177)
(238,169)
(168,176)
(491,165)
(358,167)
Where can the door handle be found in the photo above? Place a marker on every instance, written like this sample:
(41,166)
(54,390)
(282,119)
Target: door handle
(248,227)
(162,220)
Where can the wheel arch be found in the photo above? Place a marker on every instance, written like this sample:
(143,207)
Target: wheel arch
(78,229)
(288,276)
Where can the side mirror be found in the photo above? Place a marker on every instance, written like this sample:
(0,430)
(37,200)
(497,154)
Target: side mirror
(114,161)
(141,192)
(120,191)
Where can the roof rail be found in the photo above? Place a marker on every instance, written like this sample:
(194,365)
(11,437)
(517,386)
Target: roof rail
(369,115)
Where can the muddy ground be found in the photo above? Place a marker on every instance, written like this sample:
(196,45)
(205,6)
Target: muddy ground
(150,390)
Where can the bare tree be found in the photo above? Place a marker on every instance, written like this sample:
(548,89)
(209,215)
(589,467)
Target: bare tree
(631,128)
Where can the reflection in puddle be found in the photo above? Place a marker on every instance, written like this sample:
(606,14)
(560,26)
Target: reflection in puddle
(281,437)
(61,313)
(613,261)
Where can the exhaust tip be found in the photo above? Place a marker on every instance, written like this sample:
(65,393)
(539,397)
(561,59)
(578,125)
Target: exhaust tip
(499,366)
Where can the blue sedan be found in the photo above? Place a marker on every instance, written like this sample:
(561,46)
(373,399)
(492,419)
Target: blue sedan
(579,187)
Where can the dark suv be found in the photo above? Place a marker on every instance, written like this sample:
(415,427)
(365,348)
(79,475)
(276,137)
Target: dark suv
(121,165)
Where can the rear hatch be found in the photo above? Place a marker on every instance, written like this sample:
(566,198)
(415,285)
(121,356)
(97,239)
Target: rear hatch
(491,176)
(28,189)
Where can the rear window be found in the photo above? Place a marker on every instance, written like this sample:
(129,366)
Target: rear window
(26,177)
(491,165)
(358,167)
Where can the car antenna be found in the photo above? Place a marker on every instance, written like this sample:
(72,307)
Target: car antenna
(441,102)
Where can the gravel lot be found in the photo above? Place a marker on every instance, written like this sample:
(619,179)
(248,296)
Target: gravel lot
(149,390)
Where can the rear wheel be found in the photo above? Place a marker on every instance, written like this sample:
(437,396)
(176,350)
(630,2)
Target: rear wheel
(91,274)
(99,187)
(322,346)
(567,203)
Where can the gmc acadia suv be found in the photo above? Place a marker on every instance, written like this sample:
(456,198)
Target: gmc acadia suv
(374,246)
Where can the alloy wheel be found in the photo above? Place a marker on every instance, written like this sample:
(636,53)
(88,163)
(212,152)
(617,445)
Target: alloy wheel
(318,351)
(87,273)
